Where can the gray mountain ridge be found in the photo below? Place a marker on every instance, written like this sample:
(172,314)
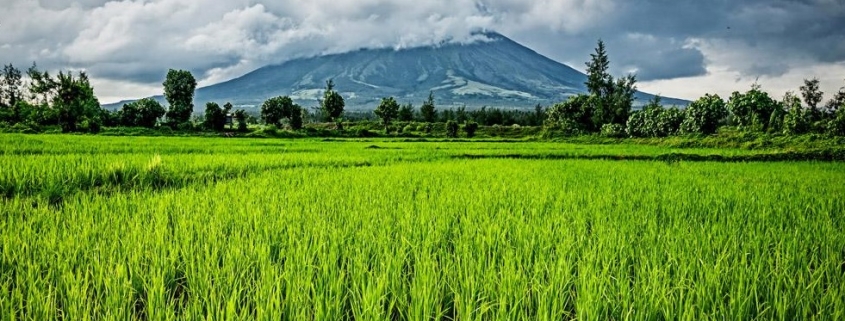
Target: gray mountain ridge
(497,72)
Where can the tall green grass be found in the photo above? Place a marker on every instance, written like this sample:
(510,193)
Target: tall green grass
(414,233)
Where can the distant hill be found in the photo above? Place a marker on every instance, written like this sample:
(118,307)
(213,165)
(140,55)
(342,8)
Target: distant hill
(497,72)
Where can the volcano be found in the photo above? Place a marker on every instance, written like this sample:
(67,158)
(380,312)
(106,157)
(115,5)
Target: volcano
(495,71)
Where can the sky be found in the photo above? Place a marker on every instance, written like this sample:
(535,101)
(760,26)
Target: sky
(677,48)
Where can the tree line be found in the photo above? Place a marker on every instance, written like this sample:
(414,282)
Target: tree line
(68,101)
(606,109)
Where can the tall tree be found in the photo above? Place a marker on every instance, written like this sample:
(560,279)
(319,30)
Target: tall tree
(812,97)
(179,87)
(10,86)
(387,110)
(332,103)
(599,80)
(612,100)
(75,102)
(406,112)
(428,110)
(42,87)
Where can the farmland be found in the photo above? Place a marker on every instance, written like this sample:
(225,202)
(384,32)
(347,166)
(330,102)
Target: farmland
(170,228)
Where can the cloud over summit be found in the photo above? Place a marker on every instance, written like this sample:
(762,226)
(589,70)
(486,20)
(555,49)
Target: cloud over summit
(131,43)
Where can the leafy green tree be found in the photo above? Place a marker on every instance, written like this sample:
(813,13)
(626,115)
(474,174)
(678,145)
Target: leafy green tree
(753,109)
(332,104)
(452,128)
(812,97)
(655,121)
(836,103)
(704,115)
(387,110)
(275,109)
(76,103)
(406,112)
(470,128)
(836,126)
(796,121)
(240,118)
(613,99)
(215,117)
(572,116)
(179,87)
(461,115)
(144,113)
(428,110)
(599,81)
(295,119)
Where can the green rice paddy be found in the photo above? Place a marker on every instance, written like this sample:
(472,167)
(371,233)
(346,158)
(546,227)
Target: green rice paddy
(122,228)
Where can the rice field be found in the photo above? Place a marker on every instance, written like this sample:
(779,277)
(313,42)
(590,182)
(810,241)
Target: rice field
(167,228)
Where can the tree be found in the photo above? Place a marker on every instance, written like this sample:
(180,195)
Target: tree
(215,117)
(752,109)
(10,86)
(796,120)
(470,128)
(812,97)
(145,113)
(227,109)
(613,99)
(277,108)
(387,110)
(179,89)
(704,115)
(427,110)
(406,112)
(295,118)
(452,128)
(76,103)
(332,103)
(42,87)
(836,103)
(598,79)
(240,117)
(573,116)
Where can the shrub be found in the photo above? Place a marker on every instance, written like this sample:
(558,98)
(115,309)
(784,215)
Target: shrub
(613,130)
(470,128)
(452,128)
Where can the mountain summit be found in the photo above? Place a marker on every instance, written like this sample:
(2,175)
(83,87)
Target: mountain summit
(495,71)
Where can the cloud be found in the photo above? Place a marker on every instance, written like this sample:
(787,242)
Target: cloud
(136,41)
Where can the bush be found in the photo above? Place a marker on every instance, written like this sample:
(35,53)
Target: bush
(408,128)
(365,133)
(470,128)
(270,130)
(452,129)
(613,130)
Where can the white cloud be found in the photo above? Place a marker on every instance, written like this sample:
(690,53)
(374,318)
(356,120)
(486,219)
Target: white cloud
(129,44)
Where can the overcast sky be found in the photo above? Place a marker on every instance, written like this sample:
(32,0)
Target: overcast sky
(679,48)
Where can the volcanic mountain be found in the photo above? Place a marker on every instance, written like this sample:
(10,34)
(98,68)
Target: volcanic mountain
(495,72)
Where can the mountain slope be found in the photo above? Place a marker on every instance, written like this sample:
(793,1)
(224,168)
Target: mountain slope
(498,72)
